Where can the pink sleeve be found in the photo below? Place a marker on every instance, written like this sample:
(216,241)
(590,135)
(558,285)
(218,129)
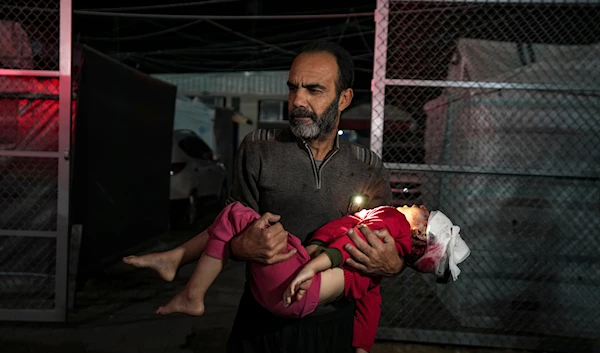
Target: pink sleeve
(232,220)
(366,319)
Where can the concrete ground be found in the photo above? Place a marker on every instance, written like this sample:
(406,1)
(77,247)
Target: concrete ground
(115,313)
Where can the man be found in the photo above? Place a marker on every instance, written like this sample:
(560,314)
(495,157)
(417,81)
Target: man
(304,177)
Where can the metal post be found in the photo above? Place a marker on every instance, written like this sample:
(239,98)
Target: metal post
(64,145)
(379,76)
(58,312)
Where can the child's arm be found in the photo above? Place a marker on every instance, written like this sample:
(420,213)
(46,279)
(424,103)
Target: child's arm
(331,230)
(381,218)
(304,278)
(314,250)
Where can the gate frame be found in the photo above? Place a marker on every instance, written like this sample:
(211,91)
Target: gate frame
(378,87)
(59,312)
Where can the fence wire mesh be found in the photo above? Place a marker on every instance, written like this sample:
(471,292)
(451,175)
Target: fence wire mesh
(27,273)
(29,120)
(29,188)
(29,34)
(29,111)
(491,114)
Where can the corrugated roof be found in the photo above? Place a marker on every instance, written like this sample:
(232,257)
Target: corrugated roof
(235,83)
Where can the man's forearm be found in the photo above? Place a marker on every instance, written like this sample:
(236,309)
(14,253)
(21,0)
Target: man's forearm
(234,248)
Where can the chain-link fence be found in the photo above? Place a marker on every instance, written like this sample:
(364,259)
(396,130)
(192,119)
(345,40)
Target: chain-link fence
(35,101)
(30,34)
(499,128)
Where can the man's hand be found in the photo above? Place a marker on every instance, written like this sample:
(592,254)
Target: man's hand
(378,257)
(263,241)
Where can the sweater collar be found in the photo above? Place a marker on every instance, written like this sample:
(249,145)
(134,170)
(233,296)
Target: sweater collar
(302,143)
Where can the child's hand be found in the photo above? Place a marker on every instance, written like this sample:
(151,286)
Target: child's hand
(299,285)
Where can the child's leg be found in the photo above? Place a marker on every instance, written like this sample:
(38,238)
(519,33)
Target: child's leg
(332,285)
(166,263)
(230,221)
(191,299)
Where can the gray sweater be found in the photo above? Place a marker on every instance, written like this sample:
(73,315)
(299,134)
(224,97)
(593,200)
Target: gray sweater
(276,172)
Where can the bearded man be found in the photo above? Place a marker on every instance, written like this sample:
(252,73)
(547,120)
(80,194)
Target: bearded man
(299,179)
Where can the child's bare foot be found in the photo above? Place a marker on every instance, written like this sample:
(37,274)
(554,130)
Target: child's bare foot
(184,303)
(164,263)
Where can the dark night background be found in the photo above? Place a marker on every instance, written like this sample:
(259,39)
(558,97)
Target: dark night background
(178,45)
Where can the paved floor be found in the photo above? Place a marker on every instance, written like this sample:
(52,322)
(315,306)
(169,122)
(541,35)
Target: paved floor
(115,313)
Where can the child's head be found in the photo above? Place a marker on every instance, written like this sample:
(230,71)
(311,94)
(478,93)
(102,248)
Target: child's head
(436,242)
(417,217)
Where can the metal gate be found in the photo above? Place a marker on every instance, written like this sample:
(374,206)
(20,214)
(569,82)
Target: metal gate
(499,129)
(35,132)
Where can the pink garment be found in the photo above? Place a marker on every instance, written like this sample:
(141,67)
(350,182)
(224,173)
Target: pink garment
(365,289)
(268,282)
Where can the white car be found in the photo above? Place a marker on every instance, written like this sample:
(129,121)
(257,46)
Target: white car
(197,175)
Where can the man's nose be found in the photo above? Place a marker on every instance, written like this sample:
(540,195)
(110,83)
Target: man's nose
(300,98)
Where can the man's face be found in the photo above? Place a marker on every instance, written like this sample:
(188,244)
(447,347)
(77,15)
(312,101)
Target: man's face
(314,105)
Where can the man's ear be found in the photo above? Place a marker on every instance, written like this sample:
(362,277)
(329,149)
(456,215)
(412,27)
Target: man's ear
(345,99)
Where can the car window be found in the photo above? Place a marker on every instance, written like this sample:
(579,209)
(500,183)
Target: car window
(195,147)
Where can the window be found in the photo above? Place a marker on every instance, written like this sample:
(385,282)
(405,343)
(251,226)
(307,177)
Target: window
(236,103)
(272,110)
(195,147)
(211,101)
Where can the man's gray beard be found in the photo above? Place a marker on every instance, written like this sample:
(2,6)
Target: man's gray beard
(320,128)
